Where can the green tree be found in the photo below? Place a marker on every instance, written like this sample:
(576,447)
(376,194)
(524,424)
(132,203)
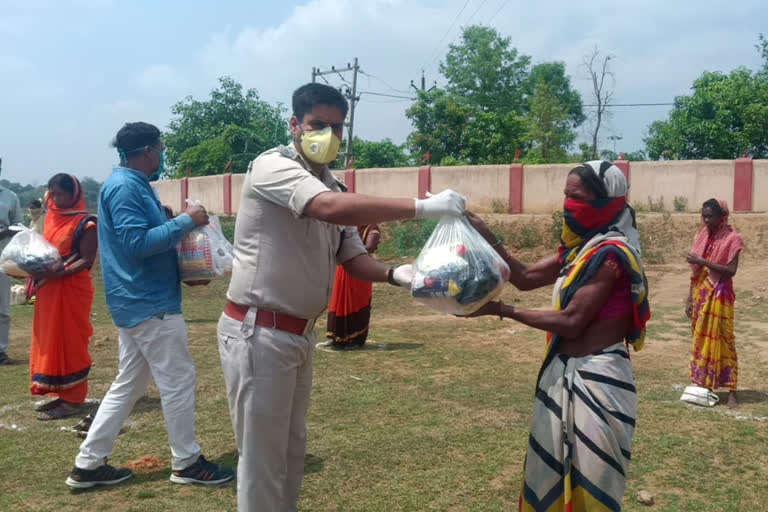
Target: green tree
(725,117)
(439,121)
(559,83)
(762,47)
(369,154)
(486,70)
(548,125)
(481,115)
(253,126)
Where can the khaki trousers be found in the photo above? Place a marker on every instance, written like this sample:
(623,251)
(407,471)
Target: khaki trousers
(268,374)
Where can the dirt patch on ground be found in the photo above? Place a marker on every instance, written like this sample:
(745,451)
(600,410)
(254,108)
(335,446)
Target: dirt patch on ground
(146,463)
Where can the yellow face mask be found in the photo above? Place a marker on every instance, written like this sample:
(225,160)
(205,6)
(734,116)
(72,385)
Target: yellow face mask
(320,146)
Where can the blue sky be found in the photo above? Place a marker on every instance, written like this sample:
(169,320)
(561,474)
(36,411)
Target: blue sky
(73,71)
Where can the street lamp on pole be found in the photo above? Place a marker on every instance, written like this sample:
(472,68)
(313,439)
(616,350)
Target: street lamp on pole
(614,138)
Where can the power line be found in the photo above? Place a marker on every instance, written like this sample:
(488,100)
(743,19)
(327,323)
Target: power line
(455,19)
(382,81)
(476,11)
(503,5)
(387,95)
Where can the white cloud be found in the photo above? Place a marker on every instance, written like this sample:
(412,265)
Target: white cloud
(162,80)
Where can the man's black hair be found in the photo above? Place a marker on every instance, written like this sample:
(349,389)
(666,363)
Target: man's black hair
(35,203)
(308,96)
(133,136)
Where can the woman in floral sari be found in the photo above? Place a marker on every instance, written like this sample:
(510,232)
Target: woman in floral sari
(714,259)
(59,358)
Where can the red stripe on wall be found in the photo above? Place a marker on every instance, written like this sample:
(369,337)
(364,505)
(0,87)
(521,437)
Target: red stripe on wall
(184,194)
(425,180)
(742,185)
(515,188)
(349,179)
(624,166)
(227,194)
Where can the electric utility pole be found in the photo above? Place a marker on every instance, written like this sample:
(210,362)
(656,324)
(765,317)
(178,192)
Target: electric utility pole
(423,84)
(349,94)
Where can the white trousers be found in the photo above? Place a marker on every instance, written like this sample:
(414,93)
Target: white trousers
(5,311)
(269,380)
(156,348)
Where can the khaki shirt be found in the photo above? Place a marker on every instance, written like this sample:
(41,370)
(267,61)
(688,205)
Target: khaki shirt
(10,212)
(284,261)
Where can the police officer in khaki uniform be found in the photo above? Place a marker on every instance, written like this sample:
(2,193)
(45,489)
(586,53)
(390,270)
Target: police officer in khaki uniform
(289,236)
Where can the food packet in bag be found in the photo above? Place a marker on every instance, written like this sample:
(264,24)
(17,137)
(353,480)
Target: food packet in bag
(205,253)
(457,271)
(29,253)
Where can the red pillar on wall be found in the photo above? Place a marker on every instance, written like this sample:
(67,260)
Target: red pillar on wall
(742,185)
(624,166)
(425,180)
(184,194)
(227,185)
(349,179)
(515,188)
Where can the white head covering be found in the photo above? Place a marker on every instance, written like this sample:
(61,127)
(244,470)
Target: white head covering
(616,185)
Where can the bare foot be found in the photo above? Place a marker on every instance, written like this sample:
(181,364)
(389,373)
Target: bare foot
(732,402)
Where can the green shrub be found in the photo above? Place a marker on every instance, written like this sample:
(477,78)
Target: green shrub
(557,226)
(680,203)
(407,238)
(499,206)
(656,206)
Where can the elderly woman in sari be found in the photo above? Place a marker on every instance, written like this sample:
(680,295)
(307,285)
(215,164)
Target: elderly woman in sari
(714,259)
(59,360)
(585,401)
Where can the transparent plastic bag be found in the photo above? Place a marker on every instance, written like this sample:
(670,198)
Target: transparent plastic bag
(205,253)
(29,253)
(457,271)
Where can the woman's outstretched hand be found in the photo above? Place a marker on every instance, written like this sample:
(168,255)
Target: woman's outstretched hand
(481,227)
(491,308)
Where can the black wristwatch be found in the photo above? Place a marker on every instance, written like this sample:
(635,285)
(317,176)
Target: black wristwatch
(391,276)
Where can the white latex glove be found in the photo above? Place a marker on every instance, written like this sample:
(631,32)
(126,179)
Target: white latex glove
(403,275)
(446,202)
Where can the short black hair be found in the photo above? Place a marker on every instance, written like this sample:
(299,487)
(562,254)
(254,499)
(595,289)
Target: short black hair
(168,211)
(64,181)
(136,136)
(590,180)
(306,97)
(714,205)
(35,203)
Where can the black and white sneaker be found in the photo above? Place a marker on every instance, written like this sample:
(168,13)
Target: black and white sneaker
(203,472)
(103,475)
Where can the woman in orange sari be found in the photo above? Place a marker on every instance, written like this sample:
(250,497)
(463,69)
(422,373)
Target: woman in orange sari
(714,259)
(59,361)
(349,311)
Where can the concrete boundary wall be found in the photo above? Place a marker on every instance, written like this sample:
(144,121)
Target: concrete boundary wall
(543,187)
(486,186)
(210,191)
(516,188)
(760,185)
(396,182)
(695,180)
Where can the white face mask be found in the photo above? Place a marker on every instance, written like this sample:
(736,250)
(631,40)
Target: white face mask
(320,146)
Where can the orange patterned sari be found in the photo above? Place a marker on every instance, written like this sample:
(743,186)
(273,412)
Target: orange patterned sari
(59,361)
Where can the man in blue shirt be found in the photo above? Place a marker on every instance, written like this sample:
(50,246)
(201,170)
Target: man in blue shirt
(137,246)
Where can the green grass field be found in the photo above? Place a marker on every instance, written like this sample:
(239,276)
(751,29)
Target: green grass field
(433,416)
